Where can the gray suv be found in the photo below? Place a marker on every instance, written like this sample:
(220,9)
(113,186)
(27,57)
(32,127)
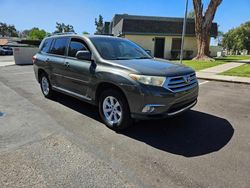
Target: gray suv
(115,74)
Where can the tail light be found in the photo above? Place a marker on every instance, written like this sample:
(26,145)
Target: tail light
(33,59)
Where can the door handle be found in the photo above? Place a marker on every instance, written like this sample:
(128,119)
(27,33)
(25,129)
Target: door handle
(66,64)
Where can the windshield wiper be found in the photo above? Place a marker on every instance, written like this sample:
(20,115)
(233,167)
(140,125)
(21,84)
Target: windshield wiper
(143,57)
(121,58)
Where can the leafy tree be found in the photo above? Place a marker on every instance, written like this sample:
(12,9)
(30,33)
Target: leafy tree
(203,24)
(190,14)
(24,33)
(85,33)
(36,34)
(8,30)
(99,24)
(62,28)
(237,38)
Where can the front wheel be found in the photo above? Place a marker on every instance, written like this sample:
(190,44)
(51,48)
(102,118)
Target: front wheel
(114,109)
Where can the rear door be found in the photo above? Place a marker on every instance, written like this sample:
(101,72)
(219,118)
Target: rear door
(43,57)
(78,73)
(57,61)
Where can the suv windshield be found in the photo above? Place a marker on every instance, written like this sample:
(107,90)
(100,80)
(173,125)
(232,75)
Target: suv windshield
(118,49)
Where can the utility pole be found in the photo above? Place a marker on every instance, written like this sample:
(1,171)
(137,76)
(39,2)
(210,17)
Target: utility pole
(183,31)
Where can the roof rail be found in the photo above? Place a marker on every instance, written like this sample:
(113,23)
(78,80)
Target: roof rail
(107,34)
(65,33)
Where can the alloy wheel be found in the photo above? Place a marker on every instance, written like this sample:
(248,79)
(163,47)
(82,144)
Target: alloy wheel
(112,110)
(45,85)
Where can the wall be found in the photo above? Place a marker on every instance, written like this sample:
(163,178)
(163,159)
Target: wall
(214,50)
(191,44)
(23,55)
(142,40)
(147,42)
(117,29)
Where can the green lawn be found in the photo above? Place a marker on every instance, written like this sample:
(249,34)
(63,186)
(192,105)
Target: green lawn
(243,70)
(199,65)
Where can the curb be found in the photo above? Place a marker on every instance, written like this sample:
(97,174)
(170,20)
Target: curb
(220,80)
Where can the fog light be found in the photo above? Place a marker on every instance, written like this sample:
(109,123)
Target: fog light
(148,109)
(151,107)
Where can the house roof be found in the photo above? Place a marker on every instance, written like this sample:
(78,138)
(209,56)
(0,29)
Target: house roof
(3,42)
(13,41)
(153,25)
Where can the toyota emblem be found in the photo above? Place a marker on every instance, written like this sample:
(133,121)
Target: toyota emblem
(187,79)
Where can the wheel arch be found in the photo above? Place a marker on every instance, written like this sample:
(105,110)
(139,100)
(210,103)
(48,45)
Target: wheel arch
(105,86)
(40,72)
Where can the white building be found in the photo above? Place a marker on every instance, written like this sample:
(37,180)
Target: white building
(160,35)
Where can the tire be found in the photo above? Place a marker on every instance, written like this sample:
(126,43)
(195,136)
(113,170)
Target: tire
(120,119)
(46,86)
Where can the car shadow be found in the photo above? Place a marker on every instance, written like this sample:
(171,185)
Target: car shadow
(78,105)
(191,134)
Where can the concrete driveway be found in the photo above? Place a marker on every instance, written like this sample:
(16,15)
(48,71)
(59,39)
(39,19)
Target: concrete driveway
(62,143)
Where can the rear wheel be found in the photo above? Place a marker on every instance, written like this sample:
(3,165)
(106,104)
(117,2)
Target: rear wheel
(114,109)
(46,86)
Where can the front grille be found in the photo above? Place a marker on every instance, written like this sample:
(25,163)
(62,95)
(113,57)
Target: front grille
(181,83)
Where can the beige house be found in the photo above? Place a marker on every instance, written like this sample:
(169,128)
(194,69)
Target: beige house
(160,35)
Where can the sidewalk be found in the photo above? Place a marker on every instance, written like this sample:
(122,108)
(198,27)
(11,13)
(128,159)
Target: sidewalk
(213,73)
(6,61)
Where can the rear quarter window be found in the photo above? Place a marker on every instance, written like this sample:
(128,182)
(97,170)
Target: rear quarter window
(46,45)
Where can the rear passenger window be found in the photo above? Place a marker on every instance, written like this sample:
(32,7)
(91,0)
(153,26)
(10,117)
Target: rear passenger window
(59,46)
(75,46)
(46,45)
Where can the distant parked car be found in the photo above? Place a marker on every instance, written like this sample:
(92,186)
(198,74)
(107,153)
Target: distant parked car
(6,51)
(2,51)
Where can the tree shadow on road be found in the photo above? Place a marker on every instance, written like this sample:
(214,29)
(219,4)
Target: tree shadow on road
(192,134)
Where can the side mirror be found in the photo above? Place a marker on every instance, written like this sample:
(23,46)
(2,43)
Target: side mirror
(83,55)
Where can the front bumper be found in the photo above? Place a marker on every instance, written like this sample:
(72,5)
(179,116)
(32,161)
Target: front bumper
(171,113)
(164,102)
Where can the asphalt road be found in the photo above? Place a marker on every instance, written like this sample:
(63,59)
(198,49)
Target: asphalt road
(62,143)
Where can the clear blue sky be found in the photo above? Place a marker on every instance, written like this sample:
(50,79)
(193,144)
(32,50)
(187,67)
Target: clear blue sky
(25,14)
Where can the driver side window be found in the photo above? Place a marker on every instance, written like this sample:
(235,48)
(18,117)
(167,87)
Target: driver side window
(75,46)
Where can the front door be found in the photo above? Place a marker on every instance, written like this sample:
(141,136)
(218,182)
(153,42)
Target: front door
(79,71)
(159,47)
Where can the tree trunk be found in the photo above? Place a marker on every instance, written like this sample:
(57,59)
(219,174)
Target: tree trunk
(203,24)
(203,42)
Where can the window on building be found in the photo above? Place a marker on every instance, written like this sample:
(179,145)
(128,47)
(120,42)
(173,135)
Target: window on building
(176,44)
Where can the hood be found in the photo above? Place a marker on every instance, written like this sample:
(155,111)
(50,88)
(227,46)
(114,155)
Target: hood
(155,67)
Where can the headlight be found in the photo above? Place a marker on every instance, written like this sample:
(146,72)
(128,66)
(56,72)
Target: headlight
(148,80)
